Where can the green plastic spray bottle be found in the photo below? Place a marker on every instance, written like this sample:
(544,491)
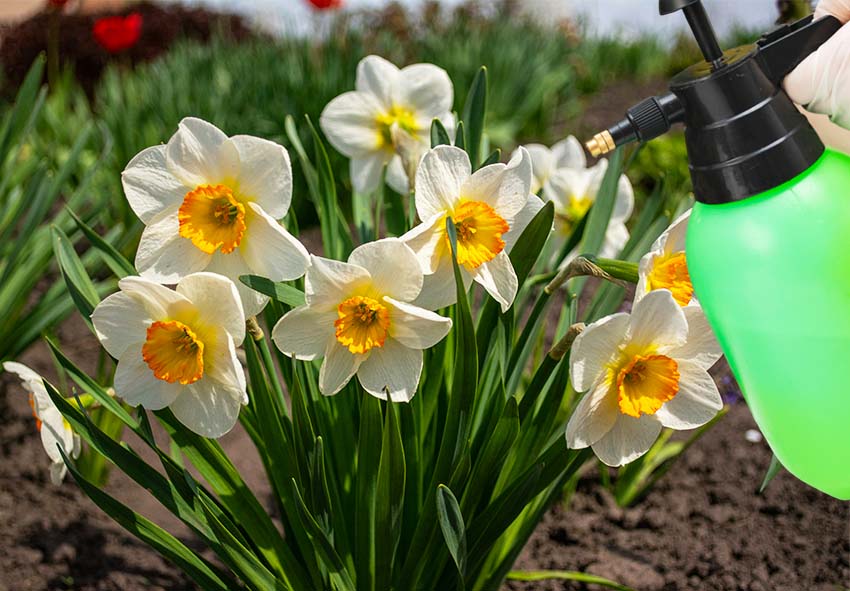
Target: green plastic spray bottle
(768,241)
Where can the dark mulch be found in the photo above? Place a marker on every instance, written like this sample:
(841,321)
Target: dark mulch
(163,25)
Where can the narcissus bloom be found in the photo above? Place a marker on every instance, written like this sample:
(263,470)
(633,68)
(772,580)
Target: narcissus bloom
(545,162)
(642,372)
(665,265)
(118,33)
(365,124)
(489,208)
(359,317)
(52,426)
(210,202)
(574,190)
(177,348)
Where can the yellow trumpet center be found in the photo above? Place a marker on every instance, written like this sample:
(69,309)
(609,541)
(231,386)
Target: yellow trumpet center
(671,272)
(212,218)
(646,382)
(568,216)
(174,352)
(404,118)
(363,323)
(479,233)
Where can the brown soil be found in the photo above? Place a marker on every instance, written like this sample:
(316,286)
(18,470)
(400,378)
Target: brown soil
(702,528)
(162,26)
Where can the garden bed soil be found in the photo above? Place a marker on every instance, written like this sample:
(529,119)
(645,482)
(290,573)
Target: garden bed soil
(162,26)
(702,528)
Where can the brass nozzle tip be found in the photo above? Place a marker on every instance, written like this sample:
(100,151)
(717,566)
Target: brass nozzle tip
(602,143)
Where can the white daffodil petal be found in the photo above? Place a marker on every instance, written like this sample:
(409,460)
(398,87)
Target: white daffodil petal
(542,164)
(696,402)
(217,302)
(569,153)
(265,174)
(441,174)
(624,202)
(164,255)
(209,408)
(439,288)
(428,242)
(350,123)
(53,433)
(366,171)
(157,299)
(329,282)
(567,183)
(149,186)
(378,77)
(135,383)
(196,156)
(657,322)
(616,237)
(627,440)
(701,347)
(521,221)
(32,382)
(58,470)
(222,366)
(120,321)
(392,368)
(425,88)
(415,327)
(397,177)
(645,266)
(269,250)
(673,238)
(232,266)
(338,368)
(504,187)
(593,417)
(594,348)
(304,332)
(498,277)
(393,267)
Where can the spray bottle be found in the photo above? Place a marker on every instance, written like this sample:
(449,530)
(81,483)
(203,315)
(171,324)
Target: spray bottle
(768,241)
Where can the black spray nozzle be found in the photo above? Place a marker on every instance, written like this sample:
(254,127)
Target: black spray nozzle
(645,121)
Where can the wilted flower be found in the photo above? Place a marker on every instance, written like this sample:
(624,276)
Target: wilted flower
(364,124)
(118,33)
(211,202)
(489,208)
(545,162)
(52,426)
(642,372)
(573,191)
(665,265)
(359,317)
(177,348)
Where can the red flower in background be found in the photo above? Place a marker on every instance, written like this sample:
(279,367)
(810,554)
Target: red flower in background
(118,33)
(57,3)
(326,4)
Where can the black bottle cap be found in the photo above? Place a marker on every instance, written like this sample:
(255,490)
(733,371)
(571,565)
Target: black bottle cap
(743,134)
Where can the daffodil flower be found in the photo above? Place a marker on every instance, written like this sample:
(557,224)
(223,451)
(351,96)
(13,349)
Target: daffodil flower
(642,372)
(52,426)
(489,209)
(177,348)
(545,162)
(365,124)
(665,265)
(359,318)
(573,191)
(210,202)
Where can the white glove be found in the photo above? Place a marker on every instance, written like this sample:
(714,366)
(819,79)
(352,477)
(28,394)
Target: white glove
(821,83)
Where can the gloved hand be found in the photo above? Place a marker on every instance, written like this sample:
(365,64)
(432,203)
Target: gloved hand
(821,83)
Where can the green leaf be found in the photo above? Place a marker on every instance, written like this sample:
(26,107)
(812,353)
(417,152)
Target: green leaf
(772,470)
(624,270)
(451,524)
(368,466)
(80,285)
(474,111)
(335,235)
(600,213)
(439,135)
(563,575)
(389,498)
(494,157)
(116,262)
(199,570)
(281,292)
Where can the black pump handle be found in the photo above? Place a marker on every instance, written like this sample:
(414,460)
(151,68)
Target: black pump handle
(782,50)
(700,26)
